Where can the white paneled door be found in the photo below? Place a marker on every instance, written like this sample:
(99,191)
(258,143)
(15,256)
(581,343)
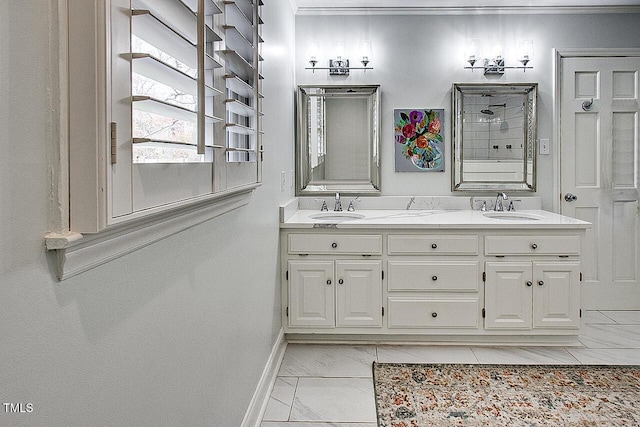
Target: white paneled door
(599,174)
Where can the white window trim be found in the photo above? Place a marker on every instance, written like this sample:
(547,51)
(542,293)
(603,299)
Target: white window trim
(74,253)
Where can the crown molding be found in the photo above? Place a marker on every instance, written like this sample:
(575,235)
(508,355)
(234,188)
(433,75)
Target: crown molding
(461,10)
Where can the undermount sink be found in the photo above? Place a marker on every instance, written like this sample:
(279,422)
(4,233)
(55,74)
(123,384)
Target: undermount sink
(336,216)
(512,216)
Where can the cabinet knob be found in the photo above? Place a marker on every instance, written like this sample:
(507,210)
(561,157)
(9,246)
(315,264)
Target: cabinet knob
(328,281)
(341,281)
(434,314)
(534,246)
(434,278)
(540,282)
(434,246)
(334,245)
(529,283)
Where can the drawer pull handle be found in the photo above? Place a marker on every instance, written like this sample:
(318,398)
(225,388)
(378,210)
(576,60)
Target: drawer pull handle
(534,246)
(341,281)
(434,278)
(334,245)
(434,246)
(540,282)
(529,283)
(434,314)
(328,281)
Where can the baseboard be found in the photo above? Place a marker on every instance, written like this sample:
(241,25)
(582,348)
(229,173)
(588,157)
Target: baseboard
(258,404)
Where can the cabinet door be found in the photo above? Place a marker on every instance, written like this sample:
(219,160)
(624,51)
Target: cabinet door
(508,295)
(556,294)
(359,293)
(311,294)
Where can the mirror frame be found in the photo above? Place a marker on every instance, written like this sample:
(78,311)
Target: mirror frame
(306,187)
(529,138)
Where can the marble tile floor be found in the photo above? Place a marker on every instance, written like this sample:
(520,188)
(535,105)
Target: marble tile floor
(322,385)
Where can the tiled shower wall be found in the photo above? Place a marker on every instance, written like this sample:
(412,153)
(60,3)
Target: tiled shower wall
(496,136)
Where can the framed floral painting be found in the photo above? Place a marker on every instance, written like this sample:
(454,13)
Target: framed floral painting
(419,140)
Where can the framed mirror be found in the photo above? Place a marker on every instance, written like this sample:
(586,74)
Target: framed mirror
(338,140)
(494,137)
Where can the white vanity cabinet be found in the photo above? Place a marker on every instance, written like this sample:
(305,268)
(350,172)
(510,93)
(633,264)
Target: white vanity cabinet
(433,281)
(532,282)
(328,287)
(465,278)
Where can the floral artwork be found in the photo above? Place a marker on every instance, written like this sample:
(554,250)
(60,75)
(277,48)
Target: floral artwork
(418,140)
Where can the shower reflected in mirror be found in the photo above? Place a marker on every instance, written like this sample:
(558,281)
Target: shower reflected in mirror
(494,134)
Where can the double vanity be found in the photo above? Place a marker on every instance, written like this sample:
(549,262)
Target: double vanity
(437,274)
(432,269)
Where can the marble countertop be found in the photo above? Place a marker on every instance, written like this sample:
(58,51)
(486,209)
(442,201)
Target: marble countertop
(431,219)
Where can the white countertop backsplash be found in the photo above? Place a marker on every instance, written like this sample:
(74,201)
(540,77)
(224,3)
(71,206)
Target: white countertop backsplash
(416,202)
(423,212)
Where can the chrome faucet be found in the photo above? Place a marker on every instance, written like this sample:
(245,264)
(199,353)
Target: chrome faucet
(499,206)
(411,201)
(338,206)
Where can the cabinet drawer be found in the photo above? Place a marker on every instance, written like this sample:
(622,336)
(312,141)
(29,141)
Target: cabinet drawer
(456,276)
(532,245)
(407,312)
(335,244)
(409,244)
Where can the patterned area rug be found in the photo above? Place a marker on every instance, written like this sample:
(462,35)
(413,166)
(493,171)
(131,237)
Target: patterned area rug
(417,395)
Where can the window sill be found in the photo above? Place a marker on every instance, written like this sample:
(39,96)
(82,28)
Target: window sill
(75,253)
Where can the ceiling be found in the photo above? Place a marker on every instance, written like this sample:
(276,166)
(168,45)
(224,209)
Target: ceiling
(398,6)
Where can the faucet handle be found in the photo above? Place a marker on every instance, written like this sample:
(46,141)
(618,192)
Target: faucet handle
(511,207)
(323,208)
(483,207)
(352,207)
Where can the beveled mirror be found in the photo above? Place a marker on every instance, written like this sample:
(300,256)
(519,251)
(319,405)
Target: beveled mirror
(494,135)
(337,140)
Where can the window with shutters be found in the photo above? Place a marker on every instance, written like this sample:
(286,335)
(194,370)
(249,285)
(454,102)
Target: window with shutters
(164,112)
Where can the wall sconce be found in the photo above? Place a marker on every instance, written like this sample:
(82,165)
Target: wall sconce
(495,63)
(339,64)
(312,54)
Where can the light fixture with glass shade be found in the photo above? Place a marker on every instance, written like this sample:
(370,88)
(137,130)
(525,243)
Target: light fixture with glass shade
(495,64)
(312,54)
(339,66)
(338,63)
(525,51)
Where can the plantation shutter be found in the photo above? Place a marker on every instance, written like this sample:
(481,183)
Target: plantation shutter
(173,58)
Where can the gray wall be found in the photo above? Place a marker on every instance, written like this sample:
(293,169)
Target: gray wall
(174,334)
(417,58)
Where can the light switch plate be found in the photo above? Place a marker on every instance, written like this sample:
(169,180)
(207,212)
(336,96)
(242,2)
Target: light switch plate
(544,147)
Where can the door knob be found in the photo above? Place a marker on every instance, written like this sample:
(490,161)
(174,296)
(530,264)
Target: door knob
(570,197)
